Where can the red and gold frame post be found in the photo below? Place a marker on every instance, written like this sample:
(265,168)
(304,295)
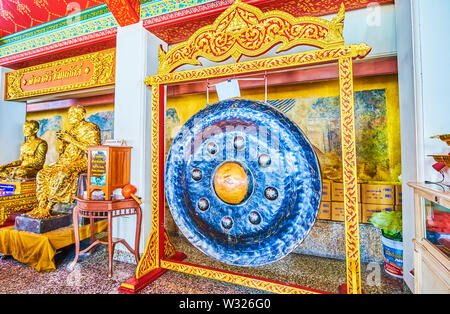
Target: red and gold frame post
(349,175)
(158,245)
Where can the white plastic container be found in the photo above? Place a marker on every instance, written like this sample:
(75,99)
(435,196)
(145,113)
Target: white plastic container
(393,257)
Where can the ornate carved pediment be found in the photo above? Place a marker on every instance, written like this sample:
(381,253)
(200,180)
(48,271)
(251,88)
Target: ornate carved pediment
(84,71)
(245,30)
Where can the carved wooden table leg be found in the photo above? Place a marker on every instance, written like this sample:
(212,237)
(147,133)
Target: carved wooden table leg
(77,234)
(138,233)
(92,226)
(110,244)
(107,209)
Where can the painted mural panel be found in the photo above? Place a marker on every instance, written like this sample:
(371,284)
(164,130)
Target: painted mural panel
(319,119)
(47,131)
(105,120)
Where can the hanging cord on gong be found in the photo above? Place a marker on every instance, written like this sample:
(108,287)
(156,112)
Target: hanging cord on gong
(265,86)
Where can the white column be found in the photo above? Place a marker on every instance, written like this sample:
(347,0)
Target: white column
(431,22)
(424,65)
(136,58)
(12,117)
(409,129)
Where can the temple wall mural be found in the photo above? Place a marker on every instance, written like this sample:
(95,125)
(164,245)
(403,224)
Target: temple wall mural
(52,121)
(377,122)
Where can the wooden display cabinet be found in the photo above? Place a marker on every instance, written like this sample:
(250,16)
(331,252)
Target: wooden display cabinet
(431,243)
(108,169)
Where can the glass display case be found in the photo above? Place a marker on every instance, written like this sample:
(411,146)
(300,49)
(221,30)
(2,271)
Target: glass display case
(437,225)
(432,239)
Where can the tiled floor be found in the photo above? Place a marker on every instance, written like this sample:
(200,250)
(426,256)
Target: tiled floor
(90,275)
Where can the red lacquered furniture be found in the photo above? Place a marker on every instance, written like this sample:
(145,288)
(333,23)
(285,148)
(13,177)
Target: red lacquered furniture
(106,209)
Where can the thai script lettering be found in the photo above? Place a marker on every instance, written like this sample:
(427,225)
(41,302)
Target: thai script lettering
(56,74)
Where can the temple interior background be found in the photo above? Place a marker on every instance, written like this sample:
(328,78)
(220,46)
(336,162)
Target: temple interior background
(104,56)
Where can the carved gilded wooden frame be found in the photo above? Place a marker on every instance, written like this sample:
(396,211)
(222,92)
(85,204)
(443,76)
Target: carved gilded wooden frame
(160,254)
(95,69)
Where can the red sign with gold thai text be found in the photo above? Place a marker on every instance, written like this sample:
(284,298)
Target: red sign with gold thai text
(86,71)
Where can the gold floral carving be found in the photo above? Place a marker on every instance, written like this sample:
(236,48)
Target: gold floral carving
(260,65)
(16,203)
(98,69)
(237,279)
(350,175)
(149,260)
(245,30)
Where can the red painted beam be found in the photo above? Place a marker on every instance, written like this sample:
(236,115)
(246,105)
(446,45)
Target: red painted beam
(126,12)
(66,103)
(327,72)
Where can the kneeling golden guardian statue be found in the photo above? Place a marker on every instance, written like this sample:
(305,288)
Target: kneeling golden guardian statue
(32,156)
(57,183)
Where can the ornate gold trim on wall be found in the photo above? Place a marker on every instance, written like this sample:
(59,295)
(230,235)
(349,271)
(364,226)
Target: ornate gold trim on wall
(246,281)
(85,71)
(16,203)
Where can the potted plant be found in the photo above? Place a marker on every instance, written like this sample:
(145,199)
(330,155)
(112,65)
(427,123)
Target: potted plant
(390,224)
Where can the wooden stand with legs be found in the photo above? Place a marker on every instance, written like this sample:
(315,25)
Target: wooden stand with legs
(106,209)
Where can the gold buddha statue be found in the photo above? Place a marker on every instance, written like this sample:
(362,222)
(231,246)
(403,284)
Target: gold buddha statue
(32,156)
(57,183)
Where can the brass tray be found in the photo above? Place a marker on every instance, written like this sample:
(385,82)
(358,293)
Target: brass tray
(442,158)
(444,138)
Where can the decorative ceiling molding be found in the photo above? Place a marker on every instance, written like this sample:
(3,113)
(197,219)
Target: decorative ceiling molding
(368,68)
(173,21)
(59,33)
(163,7)
(64,49)
(17,15)
(53,39)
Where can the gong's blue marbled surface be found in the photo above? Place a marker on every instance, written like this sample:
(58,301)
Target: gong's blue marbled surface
(284,190)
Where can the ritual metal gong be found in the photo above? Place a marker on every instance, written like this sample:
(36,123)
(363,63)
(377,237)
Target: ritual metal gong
(243,183)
